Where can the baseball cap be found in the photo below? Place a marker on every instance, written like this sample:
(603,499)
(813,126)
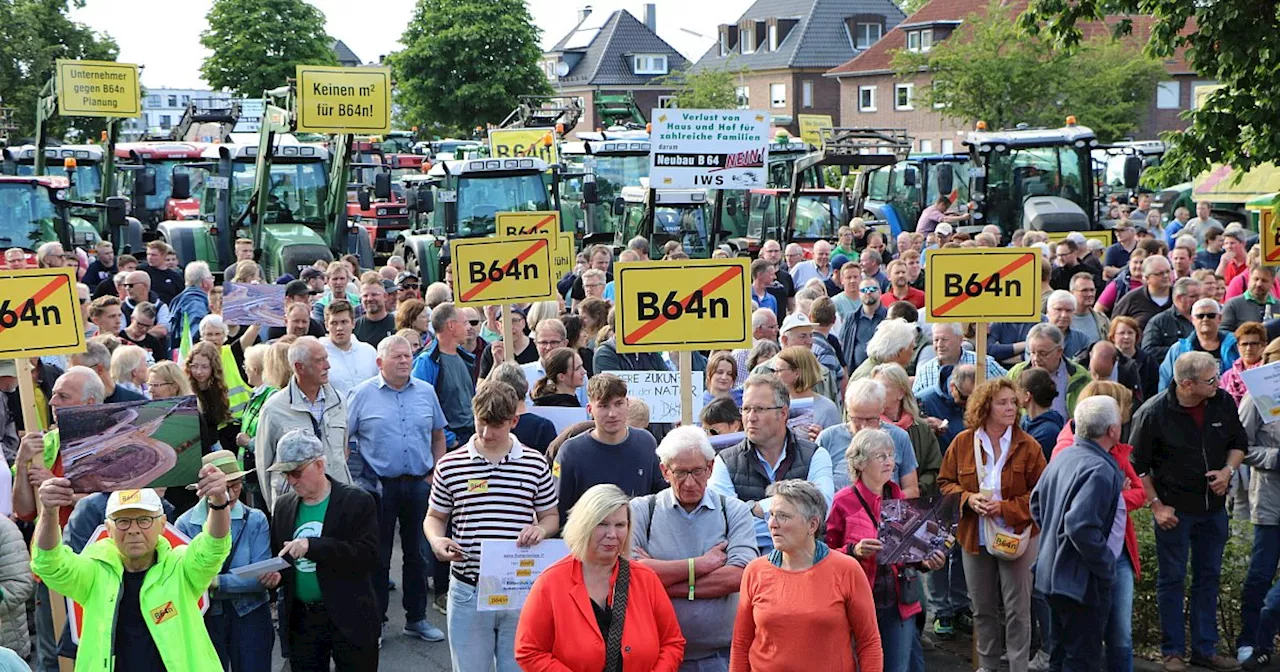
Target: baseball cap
(1094,244)
(298,288)
(227,462)
(405,275)
(145,499)
(311,273)
(944,229)
(8,367)
(838,261)
(389,286)
(1077,238)
(295,449)
(796,321)
(522,312)
(285,279)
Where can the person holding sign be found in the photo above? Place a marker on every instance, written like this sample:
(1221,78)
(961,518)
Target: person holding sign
(993,466)
(492,489)
(136,590)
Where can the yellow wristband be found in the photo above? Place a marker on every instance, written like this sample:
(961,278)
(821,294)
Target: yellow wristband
(690,579)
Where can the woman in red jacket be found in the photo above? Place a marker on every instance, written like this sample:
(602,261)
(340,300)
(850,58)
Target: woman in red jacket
(594,596)
(1118,635)
(854,527)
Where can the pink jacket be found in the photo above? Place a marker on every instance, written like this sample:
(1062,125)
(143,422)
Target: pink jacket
(1134,496)
(848,524)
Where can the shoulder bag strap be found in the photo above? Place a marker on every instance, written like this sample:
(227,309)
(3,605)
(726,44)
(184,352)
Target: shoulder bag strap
(613,643)
(874,521)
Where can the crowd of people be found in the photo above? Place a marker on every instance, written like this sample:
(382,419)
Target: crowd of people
(382,404)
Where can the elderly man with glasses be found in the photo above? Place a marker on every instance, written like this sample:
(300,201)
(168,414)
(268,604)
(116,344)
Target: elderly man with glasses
(698,542)
(1208,337)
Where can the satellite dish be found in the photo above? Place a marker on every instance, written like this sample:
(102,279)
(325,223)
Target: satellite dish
(562,68)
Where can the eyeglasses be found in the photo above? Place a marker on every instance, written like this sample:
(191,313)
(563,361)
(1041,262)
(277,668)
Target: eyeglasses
(869,290)
(1213,380)
(549,344)
(1249,344)
(474,323)
(882,458)
(128,285)
(681,474)
(144,522)
(1205,316)
(751,410)
(1157,274)
(297,473)
(409,286)
(160,384)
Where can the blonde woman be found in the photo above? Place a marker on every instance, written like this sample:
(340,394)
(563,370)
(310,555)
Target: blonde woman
(799,370)
(129,368)
(902,411)
(166,379)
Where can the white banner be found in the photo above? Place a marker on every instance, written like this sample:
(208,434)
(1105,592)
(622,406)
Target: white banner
(661,391)
(708,149)
(507,572)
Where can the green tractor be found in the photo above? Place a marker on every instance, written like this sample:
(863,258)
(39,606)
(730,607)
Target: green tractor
(288,197)
(665,215)
(461,199)
(616,159)
(35,210)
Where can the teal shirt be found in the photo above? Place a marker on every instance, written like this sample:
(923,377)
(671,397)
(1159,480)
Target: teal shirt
(310,523)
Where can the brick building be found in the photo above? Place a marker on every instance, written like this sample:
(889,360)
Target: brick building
(871,95)
(786,46)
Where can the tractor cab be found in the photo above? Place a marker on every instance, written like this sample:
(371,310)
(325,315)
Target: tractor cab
(84,171)
(664,215)
(37,210)
(616,159)
(146,170)
(898,193)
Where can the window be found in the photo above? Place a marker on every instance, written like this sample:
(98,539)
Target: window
(926,39)
(913,40)
(948,146)
(744,97)
(867,34)
(667,101)
(186,99)
(173,101)
(749,39)
(773,37)
(926,146)
(153,101)
(649,64)
(902,96)
(165,123)
(778,94)
(806,93)
(866,99)
(1169,96)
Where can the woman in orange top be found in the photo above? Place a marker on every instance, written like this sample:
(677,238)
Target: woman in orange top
(797,604)
(594,597)
(999,490)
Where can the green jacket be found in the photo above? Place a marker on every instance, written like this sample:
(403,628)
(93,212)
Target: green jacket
(1077,378)
(169,595)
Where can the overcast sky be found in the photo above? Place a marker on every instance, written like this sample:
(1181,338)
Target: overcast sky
(164,35)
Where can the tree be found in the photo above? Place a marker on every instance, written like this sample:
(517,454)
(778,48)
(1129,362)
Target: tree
(910,7)
(991,70)
(258,44)
(36,33)
(1231,41)
(467,62)
(709,89)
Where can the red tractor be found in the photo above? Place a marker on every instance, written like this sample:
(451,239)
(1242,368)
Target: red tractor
(146,170)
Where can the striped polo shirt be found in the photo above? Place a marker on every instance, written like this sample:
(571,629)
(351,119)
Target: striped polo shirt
(488,500)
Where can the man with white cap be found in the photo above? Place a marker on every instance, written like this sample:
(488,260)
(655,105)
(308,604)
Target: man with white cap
(136,589)
(328,530)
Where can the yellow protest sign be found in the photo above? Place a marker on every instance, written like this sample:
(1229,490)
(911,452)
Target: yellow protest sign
(508,143)
(1103,236)
(98,89)
(983,285)
(508,224)
(683,305)
(811,126)
(563,257)
(1269,233)
(502,270)
(39,313)
(344,100)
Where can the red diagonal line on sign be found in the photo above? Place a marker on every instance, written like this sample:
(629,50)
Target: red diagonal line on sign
(548,220)
(1275,254)
(45,292)
(519,258)
(1017,263)
(716,283)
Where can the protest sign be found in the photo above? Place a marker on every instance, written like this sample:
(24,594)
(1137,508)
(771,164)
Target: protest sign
(661,391)
(247,305)
(709,149)
(130,445)
(507,572)
(911,529)
(1263,383)
(343,100)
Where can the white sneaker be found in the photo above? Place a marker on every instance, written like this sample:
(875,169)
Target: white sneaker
(1243,653)
(1039,662)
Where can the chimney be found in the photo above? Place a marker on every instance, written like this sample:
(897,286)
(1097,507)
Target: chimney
(651,17)
(584,13)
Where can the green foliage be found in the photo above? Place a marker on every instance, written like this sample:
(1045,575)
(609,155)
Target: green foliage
(1146,614)
(258,44)
(708,89)
(910,7)
(993,71)
(1231,41)
(35,33)
(466,62)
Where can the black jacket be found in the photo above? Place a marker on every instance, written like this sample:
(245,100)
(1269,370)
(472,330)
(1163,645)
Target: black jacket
(1163,330)
(346,557)
(1177,453)
(1127,372)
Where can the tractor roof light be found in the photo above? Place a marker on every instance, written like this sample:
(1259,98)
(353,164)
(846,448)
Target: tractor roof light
(648,127)
(69,163)
(1071,120)
(560,129)
(980,126)
(548,140)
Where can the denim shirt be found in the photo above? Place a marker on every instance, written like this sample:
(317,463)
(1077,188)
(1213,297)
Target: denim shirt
(251,542)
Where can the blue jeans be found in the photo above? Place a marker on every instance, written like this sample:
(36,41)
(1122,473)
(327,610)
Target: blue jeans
(406,502)
(46,659)
(1202,536)
(1043,620)
(1262,571)
(900,642)
(244,642)
(719,662)
(1118,636)
(1078,629)
(476,638)
(947,592)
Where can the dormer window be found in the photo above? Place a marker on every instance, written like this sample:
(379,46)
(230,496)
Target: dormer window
(867,34)
(749,41)
(920,40)
(649,64)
